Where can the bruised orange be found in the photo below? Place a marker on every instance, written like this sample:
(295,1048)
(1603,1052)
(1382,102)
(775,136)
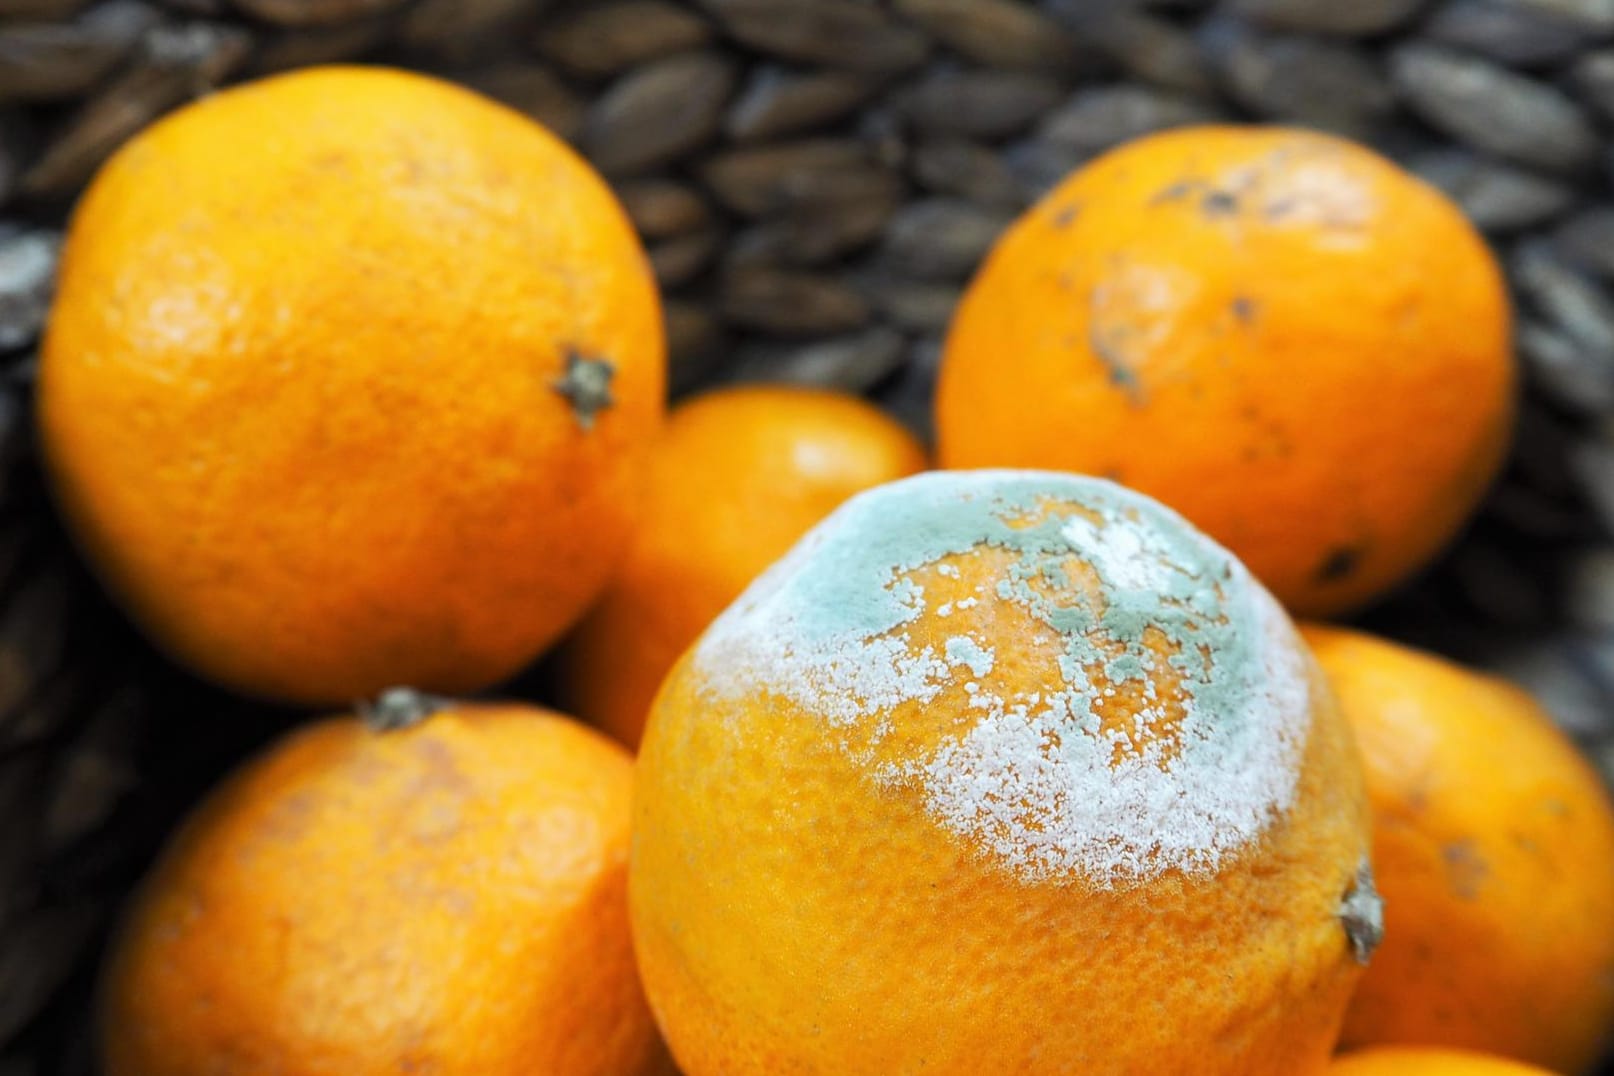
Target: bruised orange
(1000,772)
(1298,345)
(350,381)
(737,476)
(437,893)
(1494,845)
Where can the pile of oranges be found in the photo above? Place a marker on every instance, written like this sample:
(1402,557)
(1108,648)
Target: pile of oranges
(353,395)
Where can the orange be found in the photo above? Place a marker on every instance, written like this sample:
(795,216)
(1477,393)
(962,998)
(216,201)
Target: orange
(1000,772)
(1406,1061)
(350,381)
(1494,845)
(738,475)
(442,894)
(1296,344)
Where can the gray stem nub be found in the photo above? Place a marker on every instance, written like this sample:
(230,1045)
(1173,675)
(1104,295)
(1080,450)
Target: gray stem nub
(399,708)
(586,384)
(1362,913)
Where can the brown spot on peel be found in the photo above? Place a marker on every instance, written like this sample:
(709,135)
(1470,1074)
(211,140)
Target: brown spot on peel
(1219,204)
(1339,564)
(1109,352)
(1466,871)
(1176,192)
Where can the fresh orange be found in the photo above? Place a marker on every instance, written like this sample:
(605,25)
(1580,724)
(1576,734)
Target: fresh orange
(1494,845)
(443,896)
(1411,1061)
(1296,344)
(350,381)
(737,476)
(1000,772)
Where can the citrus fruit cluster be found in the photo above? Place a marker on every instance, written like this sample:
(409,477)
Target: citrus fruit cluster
(353,390)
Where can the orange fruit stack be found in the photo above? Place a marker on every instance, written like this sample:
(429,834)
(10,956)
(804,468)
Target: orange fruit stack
(355,379)
(1409,1061)
(349,382)
(418,891)
(736,477)
(1295,343)
(1494,841)
(1000,772)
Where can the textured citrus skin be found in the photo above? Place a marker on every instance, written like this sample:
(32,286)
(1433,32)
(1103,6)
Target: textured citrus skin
(737,476)
(1280,334)
(449,898)
(1411,1061)
(795,913)
(298,391)
(1494,846)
